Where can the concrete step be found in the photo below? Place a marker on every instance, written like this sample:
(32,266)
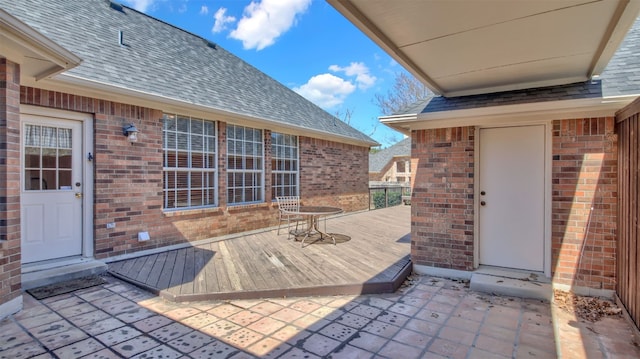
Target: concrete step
(521,286)
(50,273)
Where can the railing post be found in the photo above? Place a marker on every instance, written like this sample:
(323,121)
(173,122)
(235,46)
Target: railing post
(386,197)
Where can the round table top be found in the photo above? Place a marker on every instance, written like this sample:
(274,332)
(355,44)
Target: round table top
(318,210)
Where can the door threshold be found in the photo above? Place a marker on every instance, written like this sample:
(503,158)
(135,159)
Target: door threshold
(512,282)
(52,263)
(513,273)
(55,271)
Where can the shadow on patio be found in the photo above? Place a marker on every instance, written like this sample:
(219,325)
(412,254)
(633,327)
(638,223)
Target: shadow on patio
(371,256)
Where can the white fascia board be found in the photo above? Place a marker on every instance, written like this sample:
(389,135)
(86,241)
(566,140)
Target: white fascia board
(32,40)
(79,86)
(517,86)
(510,114)
(625,16)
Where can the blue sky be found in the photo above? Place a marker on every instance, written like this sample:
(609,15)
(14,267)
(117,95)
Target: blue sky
(304,44)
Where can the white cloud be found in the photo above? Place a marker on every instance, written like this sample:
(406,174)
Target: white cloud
(263,22)
(326,90)
(361,72)
(140,5)
(221,20)
(204,10)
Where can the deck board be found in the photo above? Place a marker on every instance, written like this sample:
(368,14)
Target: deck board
(156,269)
(217,273)
(165,277)
(145,270)
(372,255)
(200,282)
(175,285)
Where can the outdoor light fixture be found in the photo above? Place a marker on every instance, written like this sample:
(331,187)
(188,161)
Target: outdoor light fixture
(131,132)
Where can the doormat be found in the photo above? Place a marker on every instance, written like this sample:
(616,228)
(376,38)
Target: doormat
(52,290)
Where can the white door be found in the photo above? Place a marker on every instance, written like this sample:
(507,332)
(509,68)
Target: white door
(52,188)
(512,197)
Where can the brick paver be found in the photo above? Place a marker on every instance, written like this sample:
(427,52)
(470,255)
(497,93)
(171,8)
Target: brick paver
(428,318)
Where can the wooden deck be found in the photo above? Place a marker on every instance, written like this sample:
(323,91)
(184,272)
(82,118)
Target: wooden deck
(371,256)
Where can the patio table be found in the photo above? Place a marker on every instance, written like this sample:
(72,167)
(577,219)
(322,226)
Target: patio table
(313,214)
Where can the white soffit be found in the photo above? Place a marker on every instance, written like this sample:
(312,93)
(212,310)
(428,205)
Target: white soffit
(470,47)
(38,56)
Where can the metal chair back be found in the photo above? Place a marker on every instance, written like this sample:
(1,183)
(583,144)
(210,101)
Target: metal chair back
(289,207)
(288,203)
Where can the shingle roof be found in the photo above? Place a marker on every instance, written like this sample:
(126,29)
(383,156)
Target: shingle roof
(378,160)
(620,77)
(167,62)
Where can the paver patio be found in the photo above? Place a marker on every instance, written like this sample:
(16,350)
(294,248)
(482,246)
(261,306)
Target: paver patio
(427,318)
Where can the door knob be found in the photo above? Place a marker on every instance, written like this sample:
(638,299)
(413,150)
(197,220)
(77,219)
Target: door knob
(482,193)
(482,203)
(78,194)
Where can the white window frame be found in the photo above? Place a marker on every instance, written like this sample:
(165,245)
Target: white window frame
(279,153)
(239,174)
(208,184)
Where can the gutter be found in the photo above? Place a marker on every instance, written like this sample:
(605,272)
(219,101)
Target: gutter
(82,87)
(509,114)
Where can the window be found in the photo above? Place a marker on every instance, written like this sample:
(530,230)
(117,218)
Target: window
(284,165)
(400,166)
(245,167)
(47,158)
(190,162)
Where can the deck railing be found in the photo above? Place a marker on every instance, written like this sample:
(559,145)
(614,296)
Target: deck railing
(388,194)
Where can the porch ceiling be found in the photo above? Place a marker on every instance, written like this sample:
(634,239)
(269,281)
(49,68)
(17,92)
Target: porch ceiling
(469,47)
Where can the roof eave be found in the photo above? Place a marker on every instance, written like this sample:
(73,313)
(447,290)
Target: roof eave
(356,17)
(620,22)
(23,37)
(83,87)
(624,18)
(509,114)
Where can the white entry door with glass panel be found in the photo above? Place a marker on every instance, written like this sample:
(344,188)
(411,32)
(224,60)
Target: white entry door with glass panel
(52,188)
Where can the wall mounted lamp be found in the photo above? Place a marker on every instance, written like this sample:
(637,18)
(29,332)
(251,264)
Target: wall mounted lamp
(131,132)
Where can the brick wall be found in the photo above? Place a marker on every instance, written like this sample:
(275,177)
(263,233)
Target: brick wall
(442,197)
(10,278)
(128,179)
(584,192)
(334,174)
(584,202)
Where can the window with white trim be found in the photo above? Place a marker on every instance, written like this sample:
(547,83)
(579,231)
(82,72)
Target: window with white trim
(190,162)
(284,165)
(245,165)
(47,158)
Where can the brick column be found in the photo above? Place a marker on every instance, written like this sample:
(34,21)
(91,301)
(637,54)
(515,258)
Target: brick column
(584,213)
(10,279)
(442,198)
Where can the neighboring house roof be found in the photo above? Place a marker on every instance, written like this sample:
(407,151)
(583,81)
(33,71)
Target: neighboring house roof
(619,82)
(162,63)
(380,159)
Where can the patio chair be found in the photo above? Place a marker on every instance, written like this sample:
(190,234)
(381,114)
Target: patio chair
(288,207)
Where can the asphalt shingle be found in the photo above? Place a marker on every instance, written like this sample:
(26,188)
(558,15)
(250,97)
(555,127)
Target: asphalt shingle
(378,160)
(164,61)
